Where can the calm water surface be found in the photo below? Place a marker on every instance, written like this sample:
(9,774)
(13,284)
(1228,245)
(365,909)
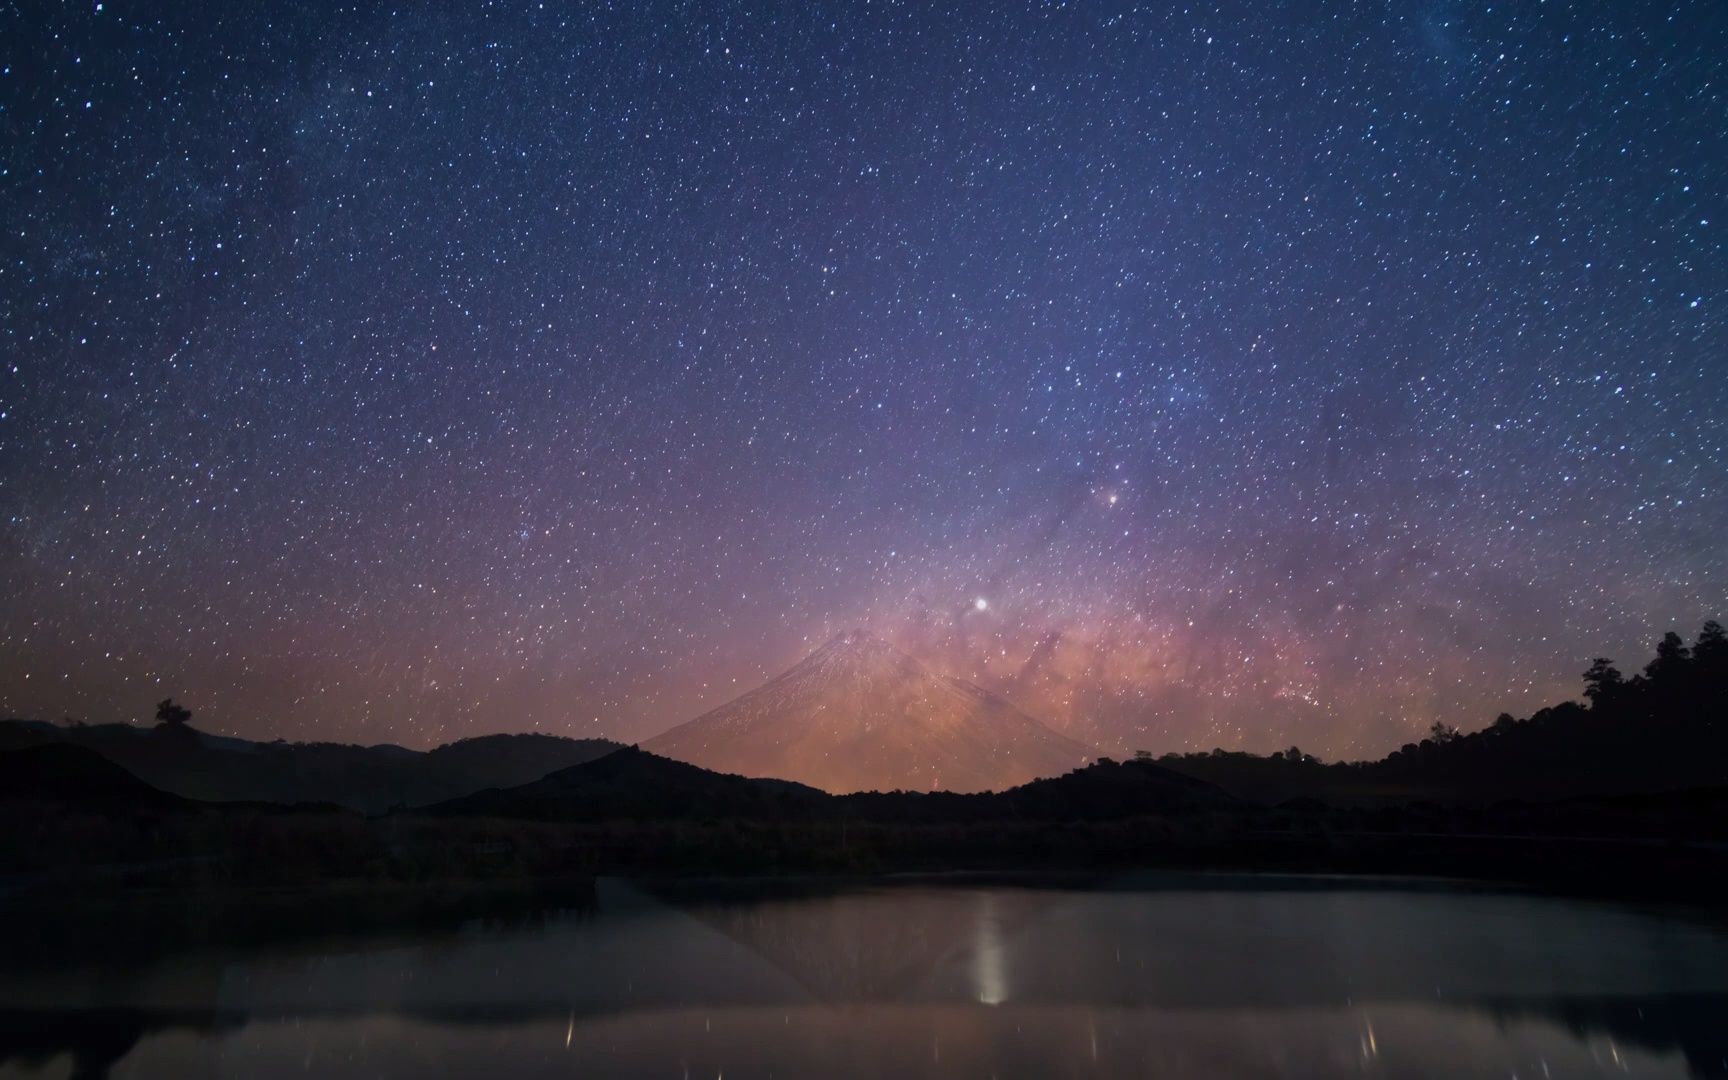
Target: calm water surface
(1154,977)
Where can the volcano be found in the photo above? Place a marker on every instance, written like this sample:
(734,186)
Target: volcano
(860,715)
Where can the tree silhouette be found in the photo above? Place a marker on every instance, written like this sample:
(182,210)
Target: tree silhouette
(1672,656)
(1603,682)
(172,715)
(1710,651)
(1662,731)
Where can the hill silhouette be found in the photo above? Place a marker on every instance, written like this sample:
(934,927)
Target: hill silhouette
(179,759)
(57,773)
(633,783)
(1102,791)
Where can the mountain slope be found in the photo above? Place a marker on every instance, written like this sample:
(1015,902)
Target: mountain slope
(635,784)
(860,715)
(56,773)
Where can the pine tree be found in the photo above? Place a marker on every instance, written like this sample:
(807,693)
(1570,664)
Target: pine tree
(1603,682)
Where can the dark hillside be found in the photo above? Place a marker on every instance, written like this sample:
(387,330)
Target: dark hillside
(372,779)
(1665,729)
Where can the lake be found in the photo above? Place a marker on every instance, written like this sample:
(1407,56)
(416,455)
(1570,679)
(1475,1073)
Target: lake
(1190,976)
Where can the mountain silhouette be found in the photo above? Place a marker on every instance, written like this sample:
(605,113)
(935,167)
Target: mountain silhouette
(860,715)
(215,768)
(635,784)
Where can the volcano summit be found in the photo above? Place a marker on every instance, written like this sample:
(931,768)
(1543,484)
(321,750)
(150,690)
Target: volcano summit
(860,715)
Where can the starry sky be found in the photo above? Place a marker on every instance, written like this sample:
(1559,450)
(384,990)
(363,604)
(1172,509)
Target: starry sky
(1226,374)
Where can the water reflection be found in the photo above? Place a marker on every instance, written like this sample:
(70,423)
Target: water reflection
(988,955)
(1225,979)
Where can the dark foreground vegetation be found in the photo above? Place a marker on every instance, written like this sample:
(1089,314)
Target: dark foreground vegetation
(1627,794)
(1663,730)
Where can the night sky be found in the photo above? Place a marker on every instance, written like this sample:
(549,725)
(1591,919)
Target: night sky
(1234,374)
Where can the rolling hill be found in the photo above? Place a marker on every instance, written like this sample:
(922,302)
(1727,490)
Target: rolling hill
(372,779)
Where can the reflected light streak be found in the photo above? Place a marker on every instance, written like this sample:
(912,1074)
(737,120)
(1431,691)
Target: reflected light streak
(989,967)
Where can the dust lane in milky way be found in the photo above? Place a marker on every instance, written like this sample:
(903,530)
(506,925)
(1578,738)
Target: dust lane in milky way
(1215,376)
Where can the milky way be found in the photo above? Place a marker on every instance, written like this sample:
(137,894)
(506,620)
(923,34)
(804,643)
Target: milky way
(1272,374)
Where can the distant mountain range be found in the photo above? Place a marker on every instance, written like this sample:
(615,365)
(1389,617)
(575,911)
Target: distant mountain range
(855,715)
(630,784)
(1629,792)
(372,779)
(860,715)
